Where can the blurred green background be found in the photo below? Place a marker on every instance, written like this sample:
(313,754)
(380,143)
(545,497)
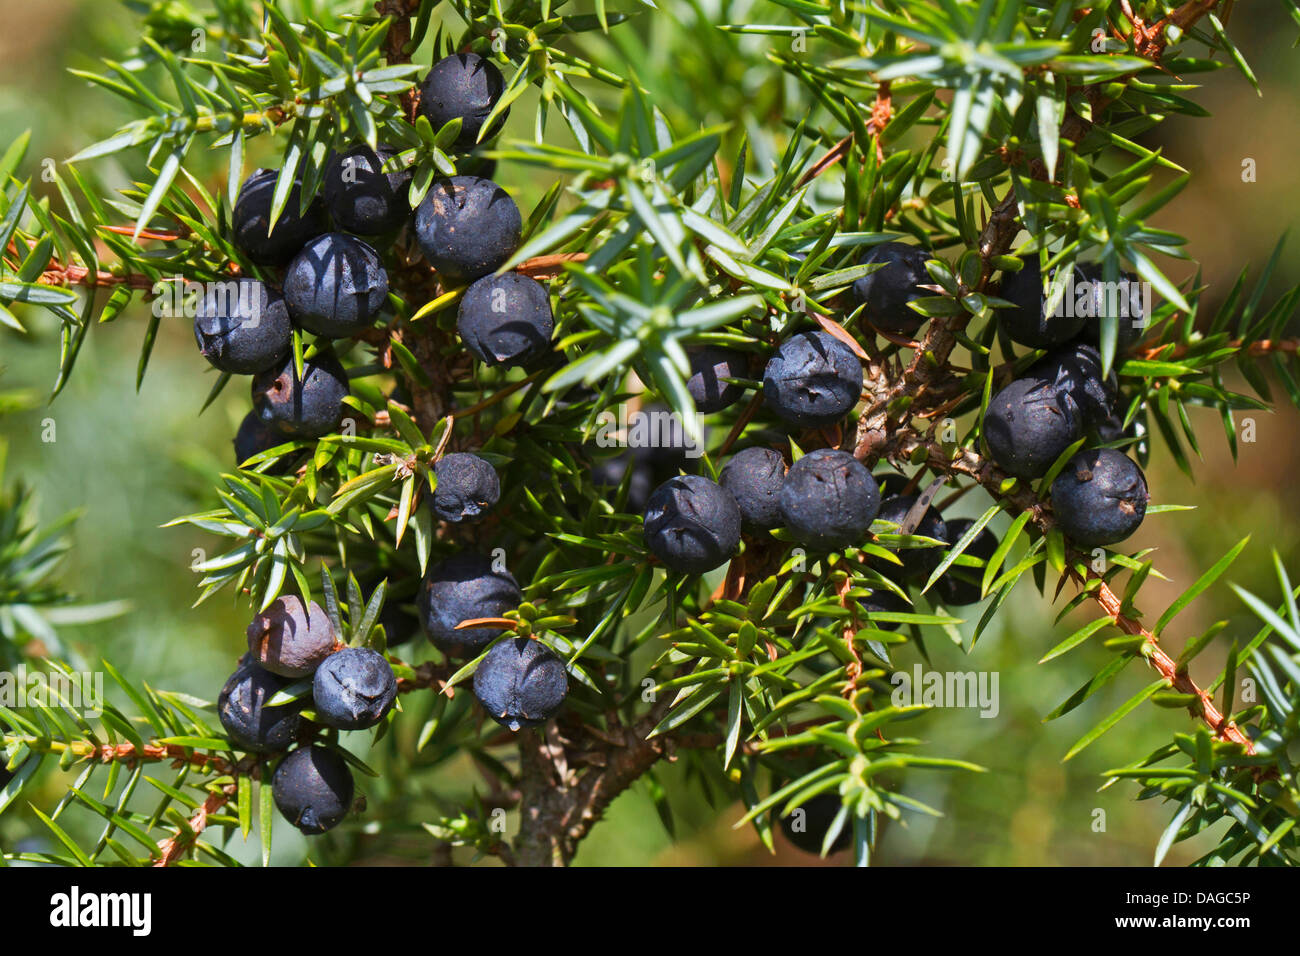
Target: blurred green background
(131,461)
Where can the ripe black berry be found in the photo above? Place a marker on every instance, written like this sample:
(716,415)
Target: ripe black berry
(353,688)
(813,379)
(303,409)
(290,637)
(1028,323)
(362,198)
(313,789)
(252,216)
(521,683)
(1100,497)
(808,824)
(828,500)
(1027,426)
(335,285)
(1123,300)
(918,562)
(467,227)
(242,327)
(462,85)
(691,524)
(709,365)
(887,291)
(243,711)
(506,319)
(754,477)
(465,587)
(254,437)
(467,487)
(1075,372)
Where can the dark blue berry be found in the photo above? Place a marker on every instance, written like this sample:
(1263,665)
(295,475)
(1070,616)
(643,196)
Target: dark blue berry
(521,683)
(1124,301)
(335,286)
(464,86)
(302,409)
(808,824)
(1028,323)
(467,487)
(290,637)
(691,524)
(813,379)
(362,198)
(506,319)
(465,587)
(754,477)
(313,789)
(1027,426)
(918,562)
(242,327)
(243,711)
(1075,372)
(353,688)
(467,227)
(828,500)
(294,228)
(1100,497)
(709,365)
(254,437)
(887,291)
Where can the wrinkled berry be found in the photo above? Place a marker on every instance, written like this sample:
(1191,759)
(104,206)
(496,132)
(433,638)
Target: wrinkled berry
(521,683)
(1027,426)
(465,587)
(887,291)
(467,487)
(313,789)
(291,638)
(918,562)
(813,379)
(242,327)
(242,709)
(462,85)
(467,227)
(335,286)
(362,198)
(353,688)
(709,365)
(691,524)
(1028,323)
(506,319)
(828,500)
(302,409)
(252,216)
(754,477)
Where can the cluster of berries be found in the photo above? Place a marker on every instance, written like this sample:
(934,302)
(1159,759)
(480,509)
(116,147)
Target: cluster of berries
(334,285)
